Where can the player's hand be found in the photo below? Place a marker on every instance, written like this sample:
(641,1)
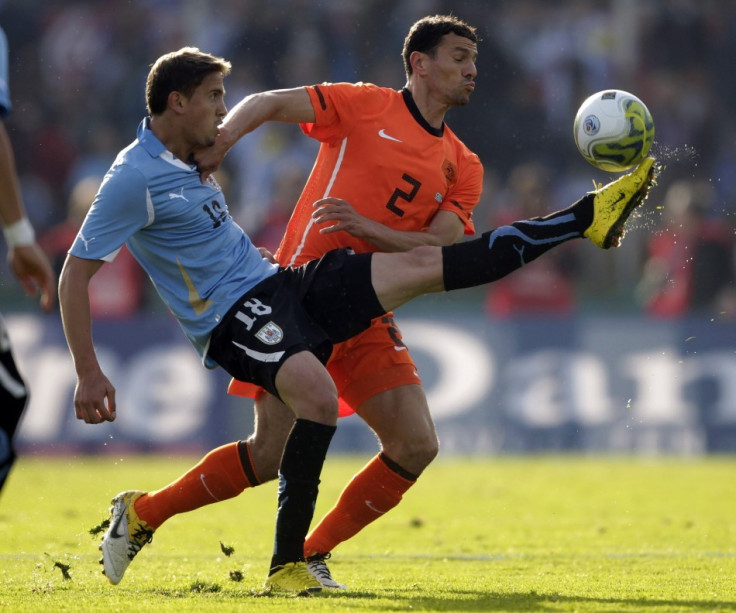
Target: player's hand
(94,398)
(32,268)
(341,216)
(267,255)
(208,159)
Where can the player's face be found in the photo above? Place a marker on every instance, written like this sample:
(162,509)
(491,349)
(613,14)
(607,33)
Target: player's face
(452,70)
(205,110)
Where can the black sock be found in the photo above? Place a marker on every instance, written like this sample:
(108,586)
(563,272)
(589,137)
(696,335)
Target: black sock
(247,462)
(301,465)
(397,468)
(501,251)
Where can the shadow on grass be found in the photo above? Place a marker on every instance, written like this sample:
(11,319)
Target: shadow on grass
(466,600)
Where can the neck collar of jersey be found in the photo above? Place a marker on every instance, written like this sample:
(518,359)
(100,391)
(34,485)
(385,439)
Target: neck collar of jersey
(155,148)
(414,110)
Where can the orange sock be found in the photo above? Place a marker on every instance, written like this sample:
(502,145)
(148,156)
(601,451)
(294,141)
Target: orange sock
(218,476)
(372,492)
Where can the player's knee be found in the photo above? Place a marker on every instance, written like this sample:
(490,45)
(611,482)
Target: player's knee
(413,455)
(324,410)
(264,455)
(424,257)
(427,450)
(319,406)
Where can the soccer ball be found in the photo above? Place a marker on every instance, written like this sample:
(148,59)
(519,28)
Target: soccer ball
(613,130)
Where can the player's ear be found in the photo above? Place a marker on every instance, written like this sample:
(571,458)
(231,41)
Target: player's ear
(176,101)
(418,61)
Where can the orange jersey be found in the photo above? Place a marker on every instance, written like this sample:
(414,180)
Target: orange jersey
(378,153)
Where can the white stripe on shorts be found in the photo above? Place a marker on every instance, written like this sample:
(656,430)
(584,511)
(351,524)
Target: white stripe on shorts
(14,387)
(260,356)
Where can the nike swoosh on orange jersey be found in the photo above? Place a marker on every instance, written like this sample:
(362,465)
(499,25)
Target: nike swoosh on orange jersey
(382,134)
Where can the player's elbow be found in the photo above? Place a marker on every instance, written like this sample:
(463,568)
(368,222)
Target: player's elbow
(75,276)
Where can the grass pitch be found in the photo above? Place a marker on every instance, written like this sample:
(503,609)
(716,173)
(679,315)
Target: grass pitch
(546,534)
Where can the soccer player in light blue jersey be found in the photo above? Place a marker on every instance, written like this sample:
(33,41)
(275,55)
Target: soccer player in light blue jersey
(263,324)
(29,265)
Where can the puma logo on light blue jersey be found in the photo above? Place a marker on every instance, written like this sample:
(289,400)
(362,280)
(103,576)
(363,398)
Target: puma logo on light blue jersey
(181,195)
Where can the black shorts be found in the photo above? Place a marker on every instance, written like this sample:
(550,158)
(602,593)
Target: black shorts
(308,308)
(13,399)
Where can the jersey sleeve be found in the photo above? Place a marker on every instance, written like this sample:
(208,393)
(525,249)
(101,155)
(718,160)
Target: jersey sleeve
(338,106)
(121,207)
(465,193)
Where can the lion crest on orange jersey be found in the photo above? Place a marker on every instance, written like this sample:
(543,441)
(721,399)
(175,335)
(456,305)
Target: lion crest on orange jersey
(450,171)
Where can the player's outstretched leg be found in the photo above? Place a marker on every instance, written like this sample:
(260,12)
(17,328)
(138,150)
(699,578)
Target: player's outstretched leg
(599,215)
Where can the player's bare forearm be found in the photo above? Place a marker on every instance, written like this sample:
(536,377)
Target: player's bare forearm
(389,240)
(94,396)
(288,105)
(75,313)
(338,215)
(11,204)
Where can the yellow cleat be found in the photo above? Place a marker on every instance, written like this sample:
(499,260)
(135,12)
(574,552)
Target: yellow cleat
(292,578)
(614,202)
(125,537)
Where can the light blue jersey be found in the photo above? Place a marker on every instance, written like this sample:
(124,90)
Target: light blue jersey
(4,87)
(180,231)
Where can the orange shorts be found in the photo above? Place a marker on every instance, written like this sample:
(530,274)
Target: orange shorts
(374,361)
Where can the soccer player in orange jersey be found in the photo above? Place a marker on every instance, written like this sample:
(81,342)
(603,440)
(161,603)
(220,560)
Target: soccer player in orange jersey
(403,179)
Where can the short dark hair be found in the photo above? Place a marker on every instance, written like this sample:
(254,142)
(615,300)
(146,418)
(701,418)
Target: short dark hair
(426,34)
(180,71)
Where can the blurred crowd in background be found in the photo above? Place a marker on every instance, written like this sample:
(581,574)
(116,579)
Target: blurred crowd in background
(77,77)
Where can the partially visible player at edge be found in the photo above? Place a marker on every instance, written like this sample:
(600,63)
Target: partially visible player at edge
(410,182)
(28,263)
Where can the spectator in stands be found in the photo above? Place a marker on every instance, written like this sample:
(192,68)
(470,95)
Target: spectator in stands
(690,265)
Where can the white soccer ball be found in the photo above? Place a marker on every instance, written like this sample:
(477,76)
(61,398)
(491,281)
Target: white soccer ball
(613,130)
